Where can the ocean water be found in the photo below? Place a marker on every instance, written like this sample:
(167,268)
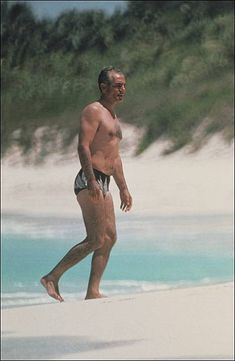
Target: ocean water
(152,253)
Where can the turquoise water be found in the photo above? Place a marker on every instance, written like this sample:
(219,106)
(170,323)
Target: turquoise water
(154,253)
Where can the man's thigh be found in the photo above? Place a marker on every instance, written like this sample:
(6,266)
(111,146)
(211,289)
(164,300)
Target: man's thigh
(110,222)
(93,213)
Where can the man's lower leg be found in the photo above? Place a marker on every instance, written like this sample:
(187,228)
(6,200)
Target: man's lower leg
(74,255)
(99,262)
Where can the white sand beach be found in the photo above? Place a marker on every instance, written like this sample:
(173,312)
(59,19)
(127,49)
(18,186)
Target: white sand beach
(181,183)
(187,323)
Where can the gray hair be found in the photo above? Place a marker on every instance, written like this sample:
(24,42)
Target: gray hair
(104,76)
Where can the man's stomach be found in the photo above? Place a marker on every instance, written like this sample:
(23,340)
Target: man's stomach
(104,163)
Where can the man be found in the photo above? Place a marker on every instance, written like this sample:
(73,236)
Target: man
(98,150)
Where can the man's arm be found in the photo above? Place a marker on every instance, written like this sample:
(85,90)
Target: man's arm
(88,126)
(118,175)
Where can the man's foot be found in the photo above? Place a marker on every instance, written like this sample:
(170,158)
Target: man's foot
(52,288)
(94,295)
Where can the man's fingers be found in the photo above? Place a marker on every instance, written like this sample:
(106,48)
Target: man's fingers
(126,206)
(123,206)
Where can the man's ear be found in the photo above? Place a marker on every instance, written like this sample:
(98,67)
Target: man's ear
(103,87)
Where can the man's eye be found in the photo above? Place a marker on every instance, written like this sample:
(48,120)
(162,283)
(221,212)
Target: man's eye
(119,85)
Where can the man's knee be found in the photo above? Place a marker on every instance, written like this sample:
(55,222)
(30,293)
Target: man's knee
(97,242)
(111,237)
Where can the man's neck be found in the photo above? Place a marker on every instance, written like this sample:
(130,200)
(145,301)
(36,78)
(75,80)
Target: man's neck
(109,106)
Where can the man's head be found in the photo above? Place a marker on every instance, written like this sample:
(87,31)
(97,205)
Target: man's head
(112,84)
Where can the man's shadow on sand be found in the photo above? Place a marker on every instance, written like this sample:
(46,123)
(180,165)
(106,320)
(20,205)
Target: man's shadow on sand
(45,347)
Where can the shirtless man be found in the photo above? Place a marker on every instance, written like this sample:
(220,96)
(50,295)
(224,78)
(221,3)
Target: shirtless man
(98,150)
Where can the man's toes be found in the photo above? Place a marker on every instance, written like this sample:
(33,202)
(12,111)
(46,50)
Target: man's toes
(60,298)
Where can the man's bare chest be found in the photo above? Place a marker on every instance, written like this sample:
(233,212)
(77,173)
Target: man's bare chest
(110,128)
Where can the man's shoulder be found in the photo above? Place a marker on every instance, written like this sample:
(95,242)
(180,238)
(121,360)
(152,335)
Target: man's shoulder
(92,112)
(92,107)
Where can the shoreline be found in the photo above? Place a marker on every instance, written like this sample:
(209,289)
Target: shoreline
(71,297)
(184,323)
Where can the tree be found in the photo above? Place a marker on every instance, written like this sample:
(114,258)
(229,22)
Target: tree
(19,25)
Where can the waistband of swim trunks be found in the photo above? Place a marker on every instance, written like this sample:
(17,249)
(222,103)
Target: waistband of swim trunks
(97,173)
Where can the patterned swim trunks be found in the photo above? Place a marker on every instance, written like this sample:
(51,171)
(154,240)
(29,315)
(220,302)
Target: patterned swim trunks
(102,179)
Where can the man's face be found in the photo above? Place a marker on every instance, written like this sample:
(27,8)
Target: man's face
(116,90)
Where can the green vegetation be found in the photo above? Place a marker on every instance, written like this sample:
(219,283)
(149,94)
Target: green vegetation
(177,57)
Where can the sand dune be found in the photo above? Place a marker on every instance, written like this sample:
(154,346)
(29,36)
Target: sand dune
(183,182)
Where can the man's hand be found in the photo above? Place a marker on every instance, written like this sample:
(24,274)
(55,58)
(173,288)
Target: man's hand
(94,190)
(126,200)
